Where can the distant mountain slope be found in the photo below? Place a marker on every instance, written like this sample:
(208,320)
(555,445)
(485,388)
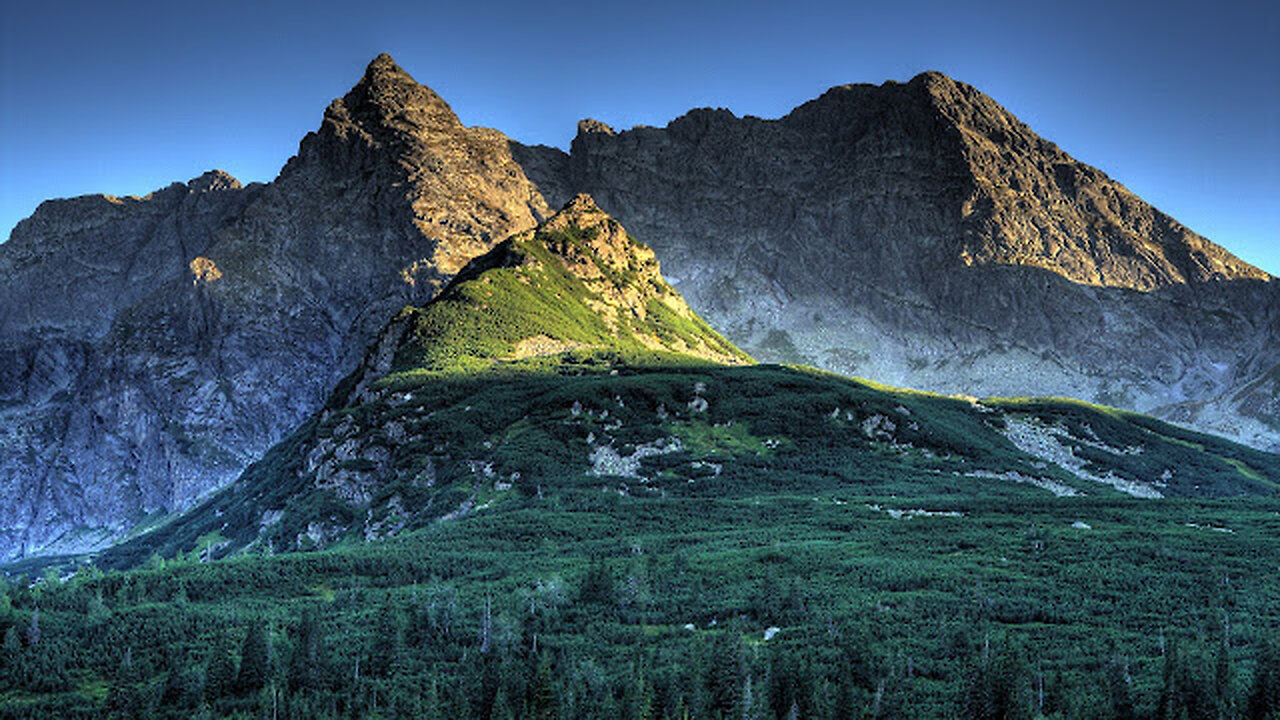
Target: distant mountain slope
(561,360)
(922,235)
(151,348)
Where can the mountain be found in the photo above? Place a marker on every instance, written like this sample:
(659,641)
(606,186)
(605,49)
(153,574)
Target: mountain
(561,361)
(922,235)
(150,348)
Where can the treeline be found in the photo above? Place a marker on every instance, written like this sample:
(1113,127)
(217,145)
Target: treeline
(136,645)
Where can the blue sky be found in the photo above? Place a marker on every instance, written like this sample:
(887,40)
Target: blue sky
(1179,101)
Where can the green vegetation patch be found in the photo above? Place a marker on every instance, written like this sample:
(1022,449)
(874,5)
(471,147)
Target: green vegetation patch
(726,439)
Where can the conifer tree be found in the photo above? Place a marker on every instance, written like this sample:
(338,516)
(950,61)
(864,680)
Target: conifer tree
(123,698)
(1118,684)
(431,709)
(220,678)
(637,699)
(500,709)
(726,676)
(542,696)
(304,664)
(33,629)
(1170,694)
(998,687)
(681,711)
(597,586)
(388,642)
(255,661)
(486,626)
(1264,694)
(10,658)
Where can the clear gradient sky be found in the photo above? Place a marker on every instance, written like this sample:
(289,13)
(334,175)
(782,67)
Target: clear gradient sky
(1180,101)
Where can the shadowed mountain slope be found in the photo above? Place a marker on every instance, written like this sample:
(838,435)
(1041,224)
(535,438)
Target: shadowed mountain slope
(150,348)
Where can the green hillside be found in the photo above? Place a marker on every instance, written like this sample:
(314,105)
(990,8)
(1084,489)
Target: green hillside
(429,446)
(554,492)
(578,282)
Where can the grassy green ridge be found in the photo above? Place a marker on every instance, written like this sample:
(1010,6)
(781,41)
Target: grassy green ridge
(524,288)
(764,429)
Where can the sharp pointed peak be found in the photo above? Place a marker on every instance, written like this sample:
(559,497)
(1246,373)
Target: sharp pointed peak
(384,66)
(383,75)
(386,89)
(583,213)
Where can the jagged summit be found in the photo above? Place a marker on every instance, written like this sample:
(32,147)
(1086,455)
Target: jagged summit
(591,125)
(384,65)
(214,180)
(912,232)
(1021,199)
(580,207)
(116,370)
(931,77)
(1102,234)
(452,190)
(387,90)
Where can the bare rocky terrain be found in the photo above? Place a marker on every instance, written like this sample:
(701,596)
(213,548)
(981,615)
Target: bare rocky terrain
(917,234)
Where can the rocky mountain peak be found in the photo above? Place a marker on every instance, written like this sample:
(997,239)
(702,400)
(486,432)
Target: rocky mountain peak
(384,65)
(577,282)
(601,248)
(1030,203)
(450,191)
(921,234)
(912,232)
(581,210)
(388,93)
(227,313)
(1023,200)
(214,180)
(591,126)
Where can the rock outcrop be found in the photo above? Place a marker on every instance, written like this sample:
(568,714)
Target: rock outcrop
(921,235)
(150,348)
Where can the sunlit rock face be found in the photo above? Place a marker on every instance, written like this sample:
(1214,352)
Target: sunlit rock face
(921,235)
(150,348)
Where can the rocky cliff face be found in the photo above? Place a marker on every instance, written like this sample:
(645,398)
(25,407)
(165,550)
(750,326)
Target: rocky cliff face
(921,235)
(152,347)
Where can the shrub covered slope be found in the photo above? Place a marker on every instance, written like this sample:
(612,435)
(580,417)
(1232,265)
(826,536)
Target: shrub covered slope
(555,492)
